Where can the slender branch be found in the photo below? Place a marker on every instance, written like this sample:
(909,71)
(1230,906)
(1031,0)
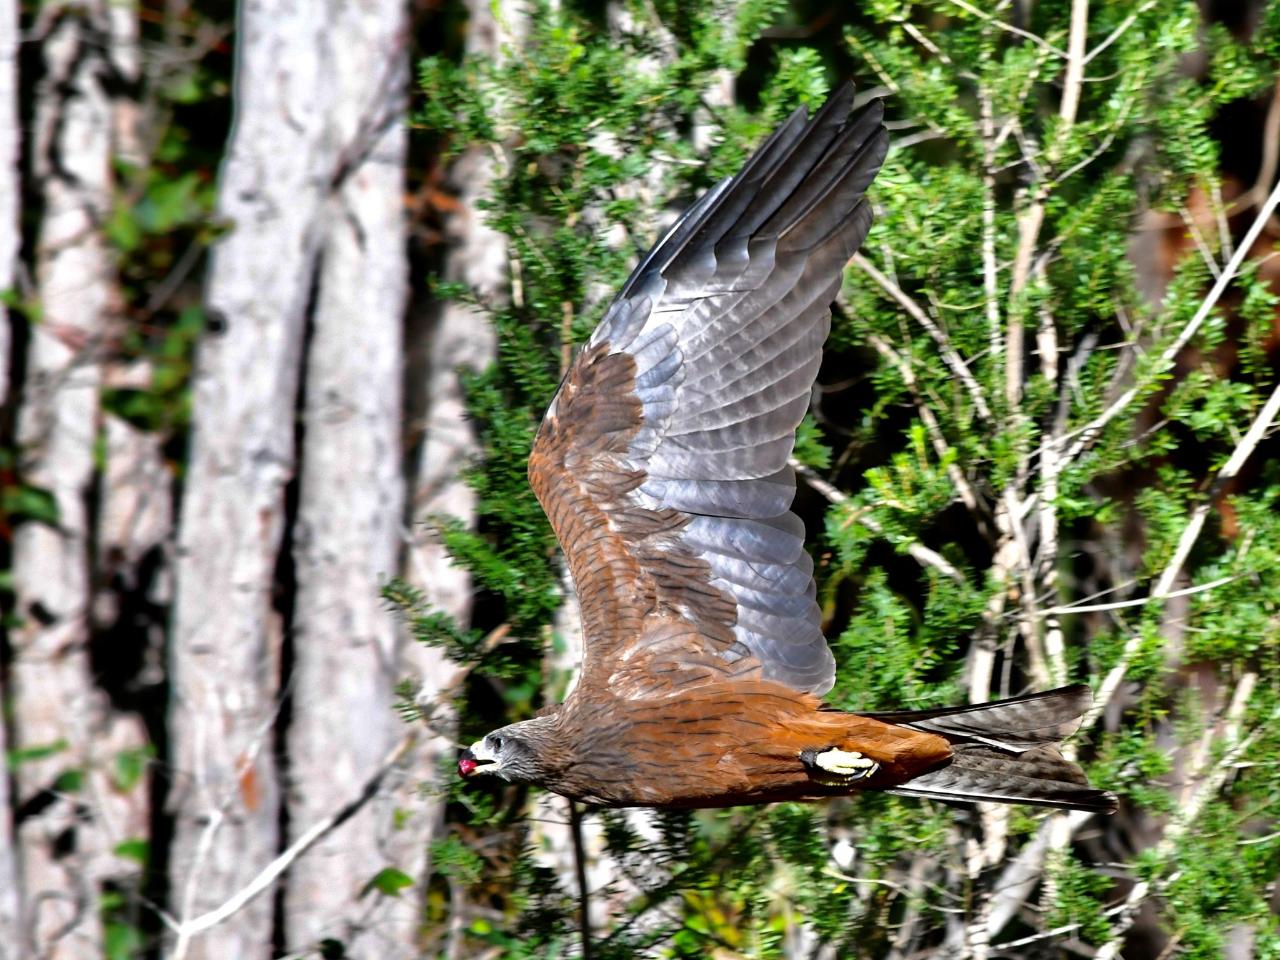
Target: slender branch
(1190,810)
(989,284)
(1032,217)
(1270,154)
(930,420)
(1103,145)
(1050,470)
(918,551)
(1190,533)
(1119,31)
(1082,437)
(1040,42)
(580,871)
(1125,604)
(949,354)
(271,872)
(1071,83)
(1043,672)
(1021,874)
(1198,239)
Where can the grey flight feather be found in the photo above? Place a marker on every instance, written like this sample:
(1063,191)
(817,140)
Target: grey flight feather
(725,319)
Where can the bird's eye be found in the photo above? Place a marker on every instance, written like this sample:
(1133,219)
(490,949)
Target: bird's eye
(497,744)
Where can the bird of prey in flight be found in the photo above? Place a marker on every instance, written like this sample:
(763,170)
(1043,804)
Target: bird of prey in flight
(662,464)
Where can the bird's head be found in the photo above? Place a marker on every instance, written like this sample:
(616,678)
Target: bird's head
(520,752)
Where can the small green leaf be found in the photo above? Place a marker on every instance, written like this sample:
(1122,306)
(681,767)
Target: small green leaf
(15,758)
(136,849)
(130,765)
(388,881)
(69,781)
(809,449)
(121,941)
(33,503)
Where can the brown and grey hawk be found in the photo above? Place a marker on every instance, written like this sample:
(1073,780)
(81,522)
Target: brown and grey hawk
(662,464)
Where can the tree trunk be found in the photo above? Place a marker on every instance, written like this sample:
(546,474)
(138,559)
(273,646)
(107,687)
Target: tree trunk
(10,242)
(10,205)
(63,721)
(347,538)
(455,337)
(228,622)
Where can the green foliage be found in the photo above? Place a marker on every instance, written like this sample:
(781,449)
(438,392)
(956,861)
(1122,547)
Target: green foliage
(15,757)
(20,501)
(389,882)
(810,449)
(164,404)
(130,767)
(1079,892)
(1000,212)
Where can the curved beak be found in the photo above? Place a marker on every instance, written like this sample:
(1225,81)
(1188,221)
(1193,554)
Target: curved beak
(475,759)
(467,764)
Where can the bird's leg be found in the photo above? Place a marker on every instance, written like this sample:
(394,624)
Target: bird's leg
(845,764)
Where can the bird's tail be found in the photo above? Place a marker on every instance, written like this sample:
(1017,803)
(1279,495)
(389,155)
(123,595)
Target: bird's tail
(1007,752)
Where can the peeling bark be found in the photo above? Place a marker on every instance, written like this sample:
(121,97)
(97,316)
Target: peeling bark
(10,203)
(347,538)
(10,242)
(457,337)
(226,634)
(67,850)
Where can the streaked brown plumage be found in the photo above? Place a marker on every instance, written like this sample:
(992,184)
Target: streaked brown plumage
(662,464)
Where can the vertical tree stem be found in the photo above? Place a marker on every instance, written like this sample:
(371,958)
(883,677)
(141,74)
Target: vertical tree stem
(580,869)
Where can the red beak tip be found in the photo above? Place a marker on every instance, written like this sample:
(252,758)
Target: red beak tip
(466,765)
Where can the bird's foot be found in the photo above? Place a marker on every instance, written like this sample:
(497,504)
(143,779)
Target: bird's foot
(846,764)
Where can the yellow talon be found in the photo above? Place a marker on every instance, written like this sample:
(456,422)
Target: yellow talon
(846,763)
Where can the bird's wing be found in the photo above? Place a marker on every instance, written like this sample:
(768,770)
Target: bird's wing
(662,462)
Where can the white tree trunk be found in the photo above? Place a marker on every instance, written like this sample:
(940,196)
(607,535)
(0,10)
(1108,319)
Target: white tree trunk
(134,510)
(135,505)
(226,638)
(67,850)
(10,200)
(10,241)
(457,337)
(347,539)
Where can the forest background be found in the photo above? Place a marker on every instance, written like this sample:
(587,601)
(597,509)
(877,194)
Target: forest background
(284,290)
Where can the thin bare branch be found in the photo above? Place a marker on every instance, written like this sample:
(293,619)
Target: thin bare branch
(580,873)
(930,420)
(1032,217)
(1119,31)
(1209,784)
(1040,42)
(1021,874)
(1083,437)
(916,550)
(272,871)
(1142,601)
(1270,156)
(917,313)
(989,283)
(1190,533)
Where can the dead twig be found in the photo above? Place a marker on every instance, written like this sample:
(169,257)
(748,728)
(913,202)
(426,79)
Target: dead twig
(187,929)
